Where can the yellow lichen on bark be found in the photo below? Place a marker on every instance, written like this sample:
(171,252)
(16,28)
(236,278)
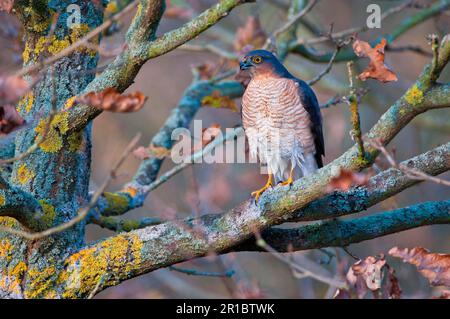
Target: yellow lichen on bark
(414,95)
(24,174)
(70,102)
(5,249)
(120,254)
(130,190)
(54,139)
(75,141)
(40,283)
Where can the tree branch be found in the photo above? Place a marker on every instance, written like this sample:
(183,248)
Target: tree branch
(379,187)
(347,55)
(20,205)
(121,72)
(340,233)
(134,193)
(120,225)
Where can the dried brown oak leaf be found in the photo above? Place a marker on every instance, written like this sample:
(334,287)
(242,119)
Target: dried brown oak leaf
(346,179)
(376,69)
(251,34)
(434,267)
(370,275)
(111,100)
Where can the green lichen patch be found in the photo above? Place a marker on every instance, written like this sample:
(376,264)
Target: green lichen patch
(116,202)
(49,213)
(414,95)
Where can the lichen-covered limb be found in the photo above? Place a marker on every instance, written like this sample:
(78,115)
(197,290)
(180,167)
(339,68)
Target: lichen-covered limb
(347,55)
(17,203)
(134,193)
(379,187)
(121,72)
(125,225)
(145,22)
(128,255)
(340,233)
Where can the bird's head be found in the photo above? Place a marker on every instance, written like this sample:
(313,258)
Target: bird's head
(262,62)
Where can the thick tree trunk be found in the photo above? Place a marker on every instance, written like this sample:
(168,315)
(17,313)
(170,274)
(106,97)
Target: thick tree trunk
(57,174)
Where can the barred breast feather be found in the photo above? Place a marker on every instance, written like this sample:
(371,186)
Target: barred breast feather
(277,125)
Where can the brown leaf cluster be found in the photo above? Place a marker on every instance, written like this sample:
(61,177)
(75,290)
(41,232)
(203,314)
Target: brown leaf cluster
(12,88)
(346,179)
(435,267)
(111,100)
(9,119)
(6,5)
(250,36)
(376,69)
(371,275)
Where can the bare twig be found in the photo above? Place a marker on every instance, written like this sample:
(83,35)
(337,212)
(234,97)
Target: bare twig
(194,157)
(295,18)
(360,92)
(194,272)
(412,48)
(97,286)
(353,101)
(303,272)
(408,171)
(351,31)
(326,70)
(289,24)
(83,212)
(434,73)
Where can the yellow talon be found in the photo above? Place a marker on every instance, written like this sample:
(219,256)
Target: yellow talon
(262,190)
(290,180)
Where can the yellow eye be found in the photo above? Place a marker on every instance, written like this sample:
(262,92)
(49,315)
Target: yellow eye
(257,59)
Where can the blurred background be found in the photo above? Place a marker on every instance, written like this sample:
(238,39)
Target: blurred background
(215,188)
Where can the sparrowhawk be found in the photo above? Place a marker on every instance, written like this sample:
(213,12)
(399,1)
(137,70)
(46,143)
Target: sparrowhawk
(281,119)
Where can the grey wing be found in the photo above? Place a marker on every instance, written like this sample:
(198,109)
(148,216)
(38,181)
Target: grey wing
(310,103)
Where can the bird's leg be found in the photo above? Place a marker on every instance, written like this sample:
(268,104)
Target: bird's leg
(262,190)
(290,180)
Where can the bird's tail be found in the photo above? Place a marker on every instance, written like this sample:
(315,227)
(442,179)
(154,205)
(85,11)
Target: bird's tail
(305,166)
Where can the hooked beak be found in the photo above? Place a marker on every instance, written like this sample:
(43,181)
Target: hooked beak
(244,64)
